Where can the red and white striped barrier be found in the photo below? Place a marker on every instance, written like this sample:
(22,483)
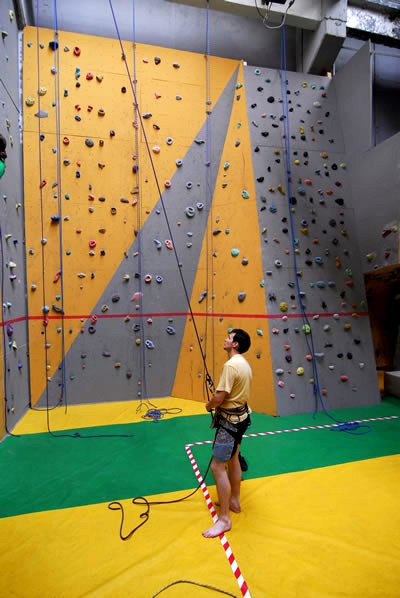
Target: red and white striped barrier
(223,539)
(356,421)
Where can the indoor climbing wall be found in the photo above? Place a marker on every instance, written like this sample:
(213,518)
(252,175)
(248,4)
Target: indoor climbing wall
(14,378)
(309,244)
(113,253)
(106,257)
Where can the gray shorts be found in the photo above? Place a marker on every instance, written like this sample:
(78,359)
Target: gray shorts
(228,437)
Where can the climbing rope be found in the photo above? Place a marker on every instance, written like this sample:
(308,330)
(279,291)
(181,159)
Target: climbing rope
(142,393)
(60,210)
(208,165)
(142,501)
(195,583)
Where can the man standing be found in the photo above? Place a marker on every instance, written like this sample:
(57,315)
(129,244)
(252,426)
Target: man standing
(232,418)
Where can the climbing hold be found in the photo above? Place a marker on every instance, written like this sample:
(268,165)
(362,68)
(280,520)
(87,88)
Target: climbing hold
(202,296)
(167,184)
(149,344)
(156,149)
(170,330)
(179,163)
(168,244)
(278,263)
(148,278)
(259,332)
(89,142)
(344,378)
(300,371)
(306,328)
(245,261)
(245,194)
(283,306)
(89,76)
(29,101)
(158,244)
(77,51)
(159,278)
(279,372)
(235,252)
(241,297)
(189,185)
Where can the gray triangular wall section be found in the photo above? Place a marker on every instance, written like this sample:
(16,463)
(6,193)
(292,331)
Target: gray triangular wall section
(90,364)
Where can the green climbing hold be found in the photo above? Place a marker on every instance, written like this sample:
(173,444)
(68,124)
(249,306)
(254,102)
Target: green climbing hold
(235,252)
(245,194)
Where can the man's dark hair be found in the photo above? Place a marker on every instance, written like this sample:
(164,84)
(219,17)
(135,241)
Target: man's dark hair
(242,338)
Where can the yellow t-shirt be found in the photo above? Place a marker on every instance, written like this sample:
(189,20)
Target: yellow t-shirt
(236,378)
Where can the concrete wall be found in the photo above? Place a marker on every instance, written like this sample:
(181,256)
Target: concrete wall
(385,75)
(172,25)
(14,374)
(375,170)
(376,183)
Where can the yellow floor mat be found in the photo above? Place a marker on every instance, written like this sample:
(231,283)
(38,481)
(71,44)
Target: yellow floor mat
(324,533)
(102,414)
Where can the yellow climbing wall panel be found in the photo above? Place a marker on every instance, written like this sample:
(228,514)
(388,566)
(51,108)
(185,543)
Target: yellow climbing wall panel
(226,276)
(105,170)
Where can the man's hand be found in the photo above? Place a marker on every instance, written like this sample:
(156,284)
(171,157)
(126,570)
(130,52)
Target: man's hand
(208,407)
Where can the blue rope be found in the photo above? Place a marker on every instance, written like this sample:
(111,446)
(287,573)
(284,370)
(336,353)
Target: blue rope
(142,364)
(343,426)
(59,203)
(41,218)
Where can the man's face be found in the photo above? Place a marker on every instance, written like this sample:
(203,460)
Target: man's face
(228,342)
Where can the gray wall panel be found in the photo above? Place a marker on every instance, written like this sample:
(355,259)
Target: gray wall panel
(319,179)
(353,85)
(12,225)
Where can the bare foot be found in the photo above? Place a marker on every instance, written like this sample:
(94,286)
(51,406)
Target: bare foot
(233,506)
(220,527)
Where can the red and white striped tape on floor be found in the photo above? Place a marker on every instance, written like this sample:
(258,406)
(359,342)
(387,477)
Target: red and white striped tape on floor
(302,428)
(224,541)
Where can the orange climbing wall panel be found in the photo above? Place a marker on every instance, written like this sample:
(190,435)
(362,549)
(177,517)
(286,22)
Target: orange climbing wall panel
(105,171)
(225,276)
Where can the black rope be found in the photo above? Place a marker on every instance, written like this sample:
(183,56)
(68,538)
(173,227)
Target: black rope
(195,583)
(141,500)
